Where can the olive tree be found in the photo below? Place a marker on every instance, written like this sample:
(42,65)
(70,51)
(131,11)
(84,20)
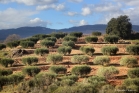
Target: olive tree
(64,50)
(133,73)
(102,60)
(5,72)
(58,69)
(69,43)
(54,58)
(41,51)
(128,61)
(111,39)
(90,39)
(12,44)
(79,58)
(87,50)
(109,50)
(30,60)
(133,49)
(6,61)
(96,33)
(70,38)
(2,46)
(26,44)
(81,70)
(76,34)
(47,43)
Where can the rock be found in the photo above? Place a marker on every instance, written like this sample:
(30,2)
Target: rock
(18,52)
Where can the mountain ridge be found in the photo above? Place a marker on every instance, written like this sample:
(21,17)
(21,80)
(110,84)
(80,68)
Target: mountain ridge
(29,31)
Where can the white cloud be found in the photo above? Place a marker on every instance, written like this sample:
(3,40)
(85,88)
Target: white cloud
(86,11)
(12,18)
(31,2)
(76,1)
(58,7)
(78,23)
(72,13)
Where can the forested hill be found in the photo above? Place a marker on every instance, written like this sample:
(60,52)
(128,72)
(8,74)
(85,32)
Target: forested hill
(29,31)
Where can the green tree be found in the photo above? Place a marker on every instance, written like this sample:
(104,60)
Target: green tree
(133,73)
(96,33)
(76,34)
(87,50)
(5,72)
(79,58)
(109,50)
(111,39)
(30,60)
(90,39)
(6,61)
(26,44)
(58,69)
(102,60)
(119,26)
(12,44)
(41,51)
(69,43)
(2,46)
(133,49)
(70,38)
(54,58)
(64,50)
(47,43)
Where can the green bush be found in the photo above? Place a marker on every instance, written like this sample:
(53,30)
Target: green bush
(133,49)
(58,69)
(6,61)
(26,44)
(47,75)
(41,36)
(76,34)
(87,50)
(90,39)
(71,77)
(64,50)
(67,82)
(81,70)
(128,61)
(129,82)
(58,34)
(30,60)
(33,39)
(41,51)
(69,43)
(12,44)
(133,73)
(107,72)
(2,46)
(79,58)
(102,60)
(5,72)
(47,43)
(96,33)
(70,38)
(111,39)
(51,39)
(109,50)
(54,58)
(31,71)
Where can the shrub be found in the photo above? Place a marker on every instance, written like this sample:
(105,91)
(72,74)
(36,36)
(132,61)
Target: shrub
(5,72)
(133,73)
(31,71)
(26,44)
(79,58)
(102,60)
(70,38)
(58,69)
(128,61)
(69,43)
(107,72)
(90,39)
(129,82)
(133,49)
(81,70)
(33,39)
(96,33)
(30,60)
(47,43)
(12,44)
(76,34)
(71,77)
(2,46)
(41,36)
(64,50)
(6,61)
(111,39)
(58,34)
(41,51)
(54,58)
(87,50)
(47,75)
(109,50)
(51,39)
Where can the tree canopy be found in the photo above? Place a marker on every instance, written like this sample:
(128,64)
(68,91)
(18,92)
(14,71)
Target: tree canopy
(120,26)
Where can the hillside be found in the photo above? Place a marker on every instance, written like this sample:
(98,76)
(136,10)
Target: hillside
(29,31)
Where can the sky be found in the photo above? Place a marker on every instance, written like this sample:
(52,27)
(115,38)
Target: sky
(59,14)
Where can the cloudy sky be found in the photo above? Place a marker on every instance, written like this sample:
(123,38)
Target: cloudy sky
(58,14)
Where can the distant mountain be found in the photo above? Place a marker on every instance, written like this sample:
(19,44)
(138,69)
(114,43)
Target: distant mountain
(29,31)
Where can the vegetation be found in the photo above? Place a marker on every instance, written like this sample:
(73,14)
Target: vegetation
(133,49)
(109,50)
(107,72)
(5,72)
(81,70)
(54,58)
(69,43)
(133,73)
(30,60)
(31,70)
(128,61)
(70,38)
(58,34)
(6,61)
(87,50)
(47,43)
(71,77)
(111,39)
(13,44)
(27,44)
(64,50)
(41,36)
(120,26)
(58,69)
(96,33)
(101,60)
(2,46)
(13,37)
(79,58)
(41,51)
(33,39)
(51,39)
(91,39)
(76,34)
